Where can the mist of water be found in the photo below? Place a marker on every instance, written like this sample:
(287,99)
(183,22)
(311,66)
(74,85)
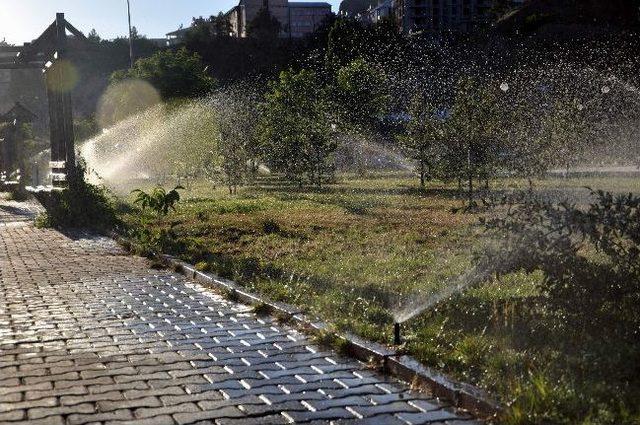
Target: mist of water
(455,285)
(181,142)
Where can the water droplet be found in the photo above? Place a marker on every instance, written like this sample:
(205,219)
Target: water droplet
(606,89)
(504,87)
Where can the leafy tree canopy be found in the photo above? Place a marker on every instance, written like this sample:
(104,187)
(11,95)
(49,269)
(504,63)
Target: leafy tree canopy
(362,93)
(264,26)
(296,129)
(174,74)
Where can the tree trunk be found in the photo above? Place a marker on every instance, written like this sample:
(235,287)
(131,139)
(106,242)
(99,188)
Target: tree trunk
(470,174)
(422,175)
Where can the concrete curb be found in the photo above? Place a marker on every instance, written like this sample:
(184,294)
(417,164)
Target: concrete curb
(406,368)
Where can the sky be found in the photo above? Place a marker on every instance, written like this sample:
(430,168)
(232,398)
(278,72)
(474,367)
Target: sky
(24,20)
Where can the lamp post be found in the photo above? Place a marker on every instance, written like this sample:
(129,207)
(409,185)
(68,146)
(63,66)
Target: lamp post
(130,35)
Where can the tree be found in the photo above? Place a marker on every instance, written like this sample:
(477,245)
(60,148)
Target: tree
(380,43)
(475,121)
(347,41)
(565,130)
(236,116)
(264,26)
(174,74)
(528,152)
(203,30)
(423,137)
(94,37)
(362,95)
(295,129)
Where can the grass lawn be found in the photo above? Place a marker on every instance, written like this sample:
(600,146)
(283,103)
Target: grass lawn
(356,252)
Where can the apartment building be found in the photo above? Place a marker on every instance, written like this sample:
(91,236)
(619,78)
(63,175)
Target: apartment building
(438,15)
(297,19)
(433,15)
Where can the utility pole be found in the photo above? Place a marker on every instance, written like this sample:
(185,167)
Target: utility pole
(130,35)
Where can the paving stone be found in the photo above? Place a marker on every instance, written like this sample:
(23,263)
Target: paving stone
(163,393)
(178,399)
(225,412)
(323,415)
(168,410)
(51,378)
(98,389)
(118,415)
(426,417)
(325,403)
(396,407)
(262,420)
(241,401)
(93,398)
(45,402)
(11,398)
(156,420)
(39,413)
(108,406)
(52,420)
(385,419)
(105,380)
(14,415)
(25,388)
(91,374)
(71,391)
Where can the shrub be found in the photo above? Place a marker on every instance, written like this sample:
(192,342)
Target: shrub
(590,258)
(80,205)
(158,200)
(270,226)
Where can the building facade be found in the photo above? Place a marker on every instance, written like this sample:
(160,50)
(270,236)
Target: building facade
(439,15)
(305,18)
(385,9)
(297,19)
(433,15)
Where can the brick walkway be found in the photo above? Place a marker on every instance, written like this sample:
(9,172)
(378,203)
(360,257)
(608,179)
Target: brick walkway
(90,335)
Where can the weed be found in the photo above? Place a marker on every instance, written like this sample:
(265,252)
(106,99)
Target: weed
(270,226)
(158,200)
(262,309)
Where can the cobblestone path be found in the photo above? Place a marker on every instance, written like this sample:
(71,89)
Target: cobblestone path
(91,335)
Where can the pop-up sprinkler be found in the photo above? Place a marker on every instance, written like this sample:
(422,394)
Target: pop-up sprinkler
(397,339)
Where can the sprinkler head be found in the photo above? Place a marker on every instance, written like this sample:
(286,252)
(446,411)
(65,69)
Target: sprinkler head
(397,340)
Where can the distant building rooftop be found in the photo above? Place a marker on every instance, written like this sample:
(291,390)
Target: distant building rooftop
(317,4)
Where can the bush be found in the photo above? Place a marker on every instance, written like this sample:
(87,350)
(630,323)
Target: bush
(80,205)
(158,200)
(590,257)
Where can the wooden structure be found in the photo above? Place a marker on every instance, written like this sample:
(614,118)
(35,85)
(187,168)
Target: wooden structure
(50,52)
(11,164)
